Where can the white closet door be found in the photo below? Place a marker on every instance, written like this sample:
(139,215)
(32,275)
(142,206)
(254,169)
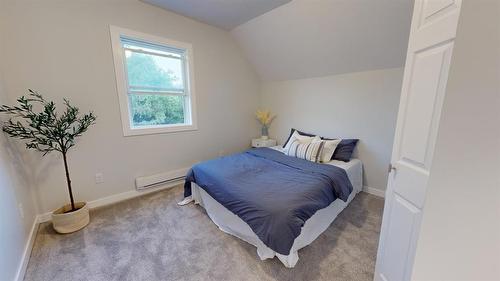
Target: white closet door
(430,46)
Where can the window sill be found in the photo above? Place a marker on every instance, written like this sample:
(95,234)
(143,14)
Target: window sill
(158,130)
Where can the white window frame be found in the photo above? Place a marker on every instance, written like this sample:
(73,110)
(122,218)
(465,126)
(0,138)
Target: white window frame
(122,84)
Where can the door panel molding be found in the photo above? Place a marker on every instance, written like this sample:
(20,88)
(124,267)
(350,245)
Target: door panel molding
(434,9)
(429,73)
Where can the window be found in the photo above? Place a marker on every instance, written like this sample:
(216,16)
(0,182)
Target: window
(154,81)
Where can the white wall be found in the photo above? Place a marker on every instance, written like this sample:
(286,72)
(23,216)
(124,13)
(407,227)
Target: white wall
(17,208)
(359,105)
(63,49)
(460,232)
(16,193)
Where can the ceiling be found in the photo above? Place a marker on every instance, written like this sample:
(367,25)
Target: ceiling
(312,38)
(226,14)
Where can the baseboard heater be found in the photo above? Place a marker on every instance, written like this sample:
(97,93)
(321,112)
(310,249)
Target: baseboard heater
(160,179)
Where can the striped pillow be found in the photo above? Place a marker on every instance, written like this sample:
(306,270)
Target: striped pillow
(309,151)
(300,138)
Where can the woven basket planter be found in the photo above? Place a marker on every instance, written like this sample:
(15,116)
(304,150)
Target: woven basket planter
(67,222)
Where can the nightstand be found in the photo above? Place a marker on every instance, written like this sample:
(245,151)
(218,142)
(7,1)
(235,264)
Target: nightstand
(263,143)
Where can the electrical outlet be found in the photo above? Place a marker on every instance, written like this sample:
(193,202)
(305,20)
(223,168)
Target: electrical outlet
(99,178)
(21,210)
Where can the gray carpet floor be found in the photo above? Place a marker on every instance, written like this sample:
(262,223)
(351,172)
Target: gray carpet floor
(151,238)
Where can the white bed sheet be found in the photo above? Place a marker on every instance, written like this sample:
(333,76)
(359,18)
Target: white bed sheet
(314,226)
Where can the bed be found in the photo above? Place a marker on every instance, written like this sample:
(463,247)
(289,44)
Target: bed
(243,209)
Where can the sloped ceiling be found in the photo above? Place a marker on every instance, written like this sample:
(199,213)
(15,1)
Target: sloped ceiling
(225,14)
(311,38)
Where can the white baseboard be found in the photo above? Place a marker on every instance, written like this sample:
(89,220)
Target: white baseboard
(92,204)
(374,191)
(21,271)
(111,200)
(116,198)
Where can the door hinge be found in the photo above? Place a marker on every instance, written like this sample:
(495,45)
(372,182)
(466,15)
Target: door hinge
(391,168)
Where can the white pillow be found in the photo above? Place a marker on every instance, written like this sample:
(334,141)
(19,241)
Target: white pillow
(299,137)
(328,149)
(309,150)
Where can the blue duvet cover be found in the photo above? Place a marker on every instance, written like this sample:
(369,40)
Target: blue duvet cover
(273,193)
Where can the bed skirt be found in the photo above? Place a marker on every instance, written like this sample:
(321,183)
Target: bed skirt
(232,224)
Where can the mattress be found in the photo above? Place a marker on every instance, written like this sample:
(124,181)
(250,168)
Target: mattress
(314,226)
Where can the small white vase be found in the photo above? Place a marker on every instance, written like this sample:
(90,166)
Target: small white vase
(64,221)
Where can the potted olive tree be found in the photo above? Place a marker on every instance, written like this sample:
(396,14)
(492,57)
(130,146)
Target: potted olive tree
(37,122)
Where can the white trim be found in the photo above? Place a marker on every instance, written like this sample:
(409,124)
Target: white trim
(92,204)
(45,217)
(158,130)
(374,191)
(121,82)
(21,271)
(111,200)
(116,198)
